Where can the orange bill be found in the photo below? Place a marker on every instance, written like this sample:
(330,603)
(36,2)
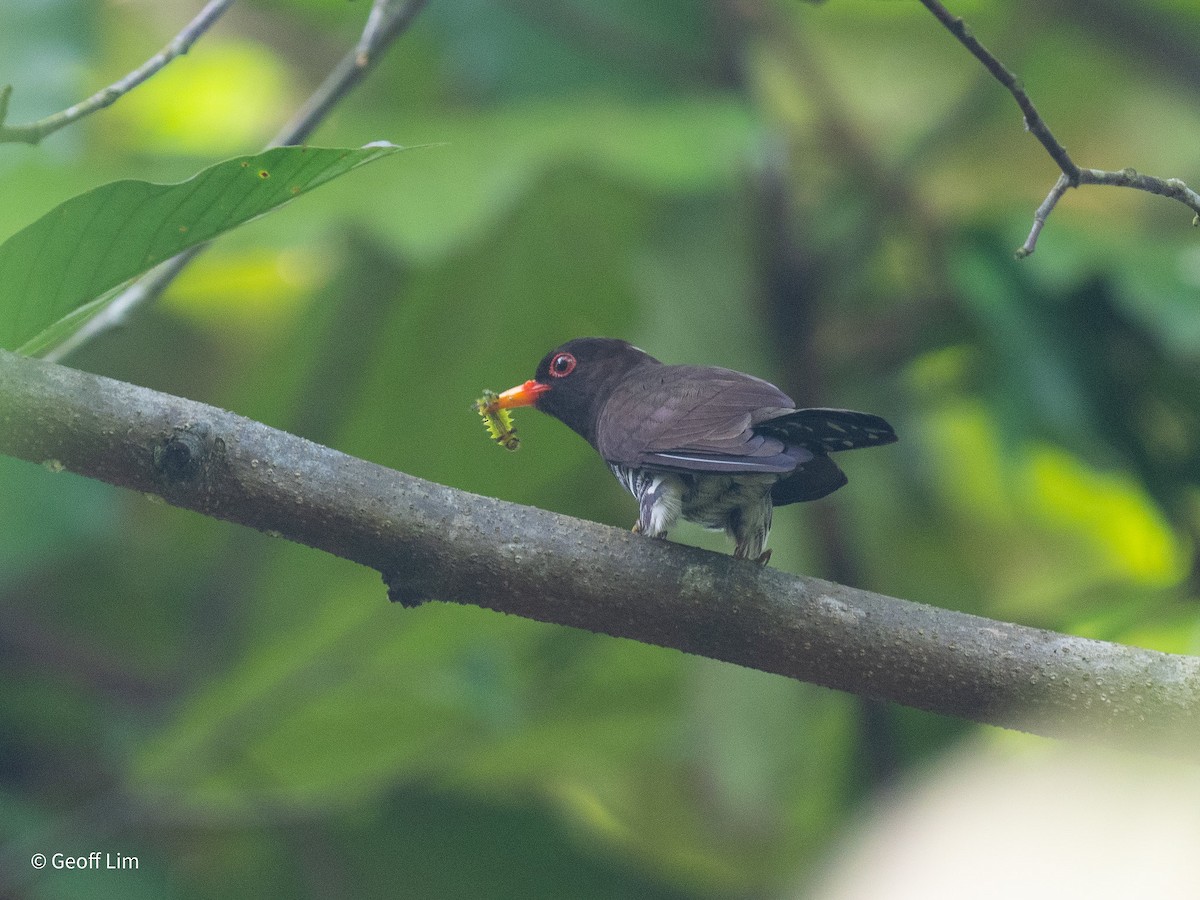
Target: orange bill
(526,394)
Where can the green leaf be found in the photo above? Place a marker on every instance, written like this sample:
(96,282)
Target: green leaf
(99,240)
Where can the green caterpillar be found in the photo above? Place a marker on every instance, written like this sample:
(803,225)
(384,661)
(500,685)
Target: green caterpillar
(498,421)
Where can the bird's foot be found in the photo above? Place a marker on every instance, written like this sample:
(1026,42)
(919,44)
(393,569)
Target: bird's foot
(638,529)
(762,559)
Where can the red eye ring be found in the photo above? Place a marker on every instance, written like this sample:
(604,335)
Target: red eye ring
(562,365)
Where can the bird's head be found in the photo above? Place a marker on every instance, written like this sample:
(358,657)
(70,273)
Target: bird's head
(572,382)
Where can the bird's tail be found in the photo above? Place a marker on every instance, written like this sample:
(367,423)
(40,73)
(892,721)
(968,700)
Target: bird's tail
(829,430)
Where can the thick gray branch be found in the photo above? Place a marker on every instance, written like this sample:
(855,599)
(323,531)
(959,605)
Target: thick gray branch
(434,542)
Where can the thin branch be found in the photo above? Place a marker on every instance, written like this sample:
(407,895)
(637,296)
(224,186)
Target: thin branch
(375,21)
(1166,187)
(142,291)
(179,45)
(345,76)
(433,542)
(1033,120)
(1039,217)
(1072,175)
(337,84)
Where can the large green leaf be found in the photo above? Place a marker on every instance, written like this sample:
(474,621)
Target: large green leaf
(101,239)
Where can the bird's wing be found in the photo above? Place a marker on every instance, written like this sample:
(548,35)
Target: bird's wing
(697,418)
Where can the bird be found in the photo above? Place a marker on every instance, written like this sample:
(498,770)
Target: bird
(710,445)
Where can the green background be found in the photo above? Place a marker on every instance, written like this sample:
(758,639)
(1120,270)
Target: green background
(827,196)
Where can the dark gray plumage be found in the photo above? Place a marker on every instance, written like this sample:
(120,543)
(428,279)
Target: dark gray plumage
(712,445)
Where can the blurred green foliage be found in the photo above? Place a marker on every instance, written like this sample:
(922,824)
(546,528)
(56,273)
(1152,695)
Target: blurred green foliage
(826,195)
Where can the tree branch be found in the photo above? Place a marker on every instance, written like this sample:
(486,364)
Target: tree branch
(384,25)
(1072,175)
(432,541)
(179,45)
(368,40)
(382,29)
(1033,120)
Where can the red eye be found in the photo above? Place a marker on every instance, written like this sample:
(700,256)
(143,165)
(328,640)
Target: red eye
(562,365)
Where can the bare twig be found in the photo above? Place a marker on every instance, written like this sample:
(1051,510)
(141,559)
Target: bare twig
(179,45)
(346,75)
(434,542)
(143,290)
(375,21)
(340,81)
(1039,217)
(1033,120)
(1166,187)
(1072,175)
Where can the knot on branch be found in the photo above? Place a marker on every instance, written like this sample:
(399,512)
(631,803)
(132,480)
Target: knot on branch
(187,454)
(404,589)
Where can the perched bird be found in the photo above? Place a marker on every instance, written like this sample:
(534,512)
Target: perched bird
(711,445)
